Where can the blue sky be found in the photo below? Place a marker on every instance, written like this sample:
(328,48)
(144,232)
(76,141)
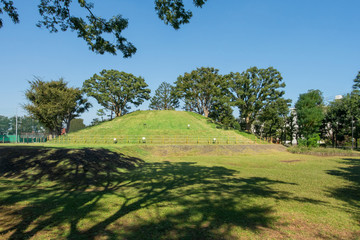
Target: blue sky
(314,44)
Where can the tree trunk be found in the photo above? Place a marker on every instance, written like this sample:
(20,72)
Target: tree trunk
(247,124)
(356,143)
(117,111)
(206,112)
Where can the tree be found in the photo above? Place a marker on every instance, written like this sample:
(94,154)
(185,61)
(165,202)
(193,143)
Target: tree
(272,118)
(114,90)
(200,89)
(4,125)
(95,122)
(291,126)
(76,124)
(101,113)
(164,98)
(54,103)
(253,90)
(356,86)
(222,112)
(336,121)
(96,31)
(25,124)
(310,113)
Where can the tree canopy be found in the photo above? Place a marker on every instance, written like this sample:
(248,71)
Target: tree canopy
(95,30)
(272,118)
(164,98)
(54,103)
(114,90)
(253,90)
(200,88)
(4,125)
(309,112)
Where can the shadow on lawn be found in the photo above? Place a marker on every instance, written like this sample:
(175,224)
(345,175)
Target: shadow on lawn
(200,202)
(351,192)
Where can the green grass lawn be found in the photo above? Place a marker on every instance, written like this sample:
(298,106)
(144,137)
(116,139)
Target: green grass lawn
(131,192)
(159,127)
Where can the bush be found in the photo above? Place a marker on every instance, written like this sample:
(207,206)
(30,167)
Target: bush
(313,140)
(310,142)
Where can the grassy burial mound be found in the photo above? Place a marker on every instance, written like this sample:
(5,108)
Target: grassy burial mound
(160,127)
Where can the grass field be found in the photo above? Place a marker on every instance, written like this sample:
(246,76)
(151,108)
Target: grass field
(159,127)
(136,192)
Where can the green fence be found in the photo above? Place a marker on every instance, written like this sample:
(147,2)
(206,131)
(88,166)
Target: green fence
(203,140)
(22,139)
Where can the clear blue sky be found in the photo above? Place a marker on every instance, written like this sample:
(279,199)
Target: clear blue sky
(314,44)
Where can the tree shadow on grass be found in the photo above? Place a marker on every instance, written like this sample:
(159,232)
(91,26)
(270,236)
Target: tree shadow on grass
(180,200)
(72,168)
(349,193)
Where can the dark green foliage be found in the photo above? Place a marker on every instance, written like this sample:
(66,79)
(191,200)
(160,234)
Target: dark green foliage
(114,90)
(310,113)
(95,122)
(200,89)
(173,12)
(76,125)
(271,121)
(291,127)
(311,141)
(336,121)
(26,124)
(356,85)
(253,90)
(8,7)
(341,116)
(164,98)
(54,103)
(101,35)
(4,125)
(222,112)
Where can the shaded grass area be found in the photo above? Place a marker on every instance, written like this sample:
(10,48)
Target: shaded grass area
(110,194)
(321,151)
(350,191)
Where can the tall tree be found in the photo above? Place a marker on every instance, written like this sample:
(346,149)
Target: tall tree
(54,103)
(114,90)
(253,90)
(164,98)
(356,86)
(309,113)
(95,30)
(272,118)
(200,88)
(4,125)
(25,124)
(336,121)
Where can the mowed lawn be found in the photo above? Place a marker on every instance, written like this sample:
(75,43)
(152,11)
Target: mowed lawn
(160,123)
(129,192)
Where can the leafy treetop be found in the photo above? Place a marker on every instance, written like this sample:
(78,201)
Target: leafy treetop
(253,90)
(54,103)
(114,90)
(57,15)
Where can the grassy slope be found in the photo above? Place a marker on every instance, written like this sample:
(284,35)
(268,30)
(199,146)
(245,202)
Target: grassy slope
(158,123)
(263,196)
